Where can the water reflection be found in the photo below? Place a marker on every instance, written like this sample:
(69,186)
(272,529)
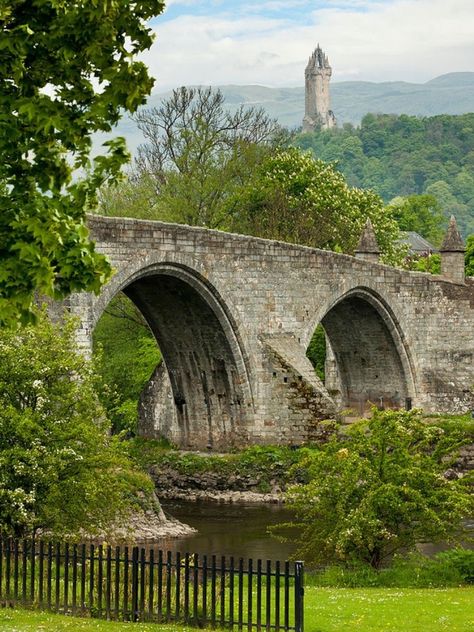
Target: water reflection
(240,530)
(228,529)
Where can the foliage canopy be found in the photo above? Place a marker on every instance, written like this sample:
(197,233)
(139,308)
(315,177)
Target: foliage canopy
(378,491)
(294,197)
(67,70)
(406,155)
(60,469)
(421,214)
(469,256)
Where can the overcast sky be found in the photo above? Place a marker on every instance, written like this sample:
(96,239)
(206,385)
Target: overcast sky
(269,42)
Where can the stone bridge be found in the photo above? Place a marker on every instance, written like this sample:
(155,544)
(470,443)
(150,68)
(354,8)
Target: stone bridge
(233,316)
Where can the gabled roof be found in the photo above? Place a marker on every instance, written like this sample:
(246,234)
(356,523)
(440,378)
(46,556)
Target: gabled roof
(416,243)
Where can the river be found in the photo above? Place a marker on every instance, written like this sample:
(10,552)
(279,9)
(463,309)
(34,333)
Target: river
(240,530)
(228,529)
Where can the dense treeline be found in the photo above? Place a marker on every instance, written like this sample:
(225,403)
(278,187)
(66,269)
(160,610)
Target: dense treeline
(405,155)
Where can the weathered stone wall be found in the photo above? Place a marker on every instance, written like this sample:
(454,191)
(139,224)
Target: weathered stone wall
(157,404)
(465,462)
(233,316)
(452,266)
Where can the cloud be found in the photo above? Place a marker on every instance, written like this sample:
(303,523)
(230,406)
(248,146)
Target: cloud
(365,39)
(186,3)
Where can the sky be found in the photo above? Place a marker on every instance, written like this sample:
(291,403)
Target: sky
(268,42)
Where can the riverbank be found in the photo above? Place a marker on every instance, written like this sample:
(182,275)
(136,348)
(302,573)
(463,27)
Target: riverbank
(141,525)
(150,526)
(258,474)
(238,497)
(262,474)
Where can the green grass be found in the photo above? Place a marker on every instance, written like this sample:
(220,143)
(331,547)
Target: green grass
(32,621)
(389,610)
(326,610)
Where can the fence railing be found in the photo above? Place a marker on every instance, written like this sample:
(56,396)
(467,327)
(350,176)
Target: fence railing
(138,584)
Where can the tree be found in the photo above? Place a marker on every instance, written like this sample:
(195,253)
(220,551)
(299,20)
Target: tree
(429,263)
(132,196)
(197,152)
(297,198)
(469,256)
(421,214)
(60,469)
(377,491)
(67,70)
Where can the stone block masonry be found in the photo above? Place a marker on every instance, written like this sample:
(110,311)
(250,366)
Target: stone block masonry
(233,316)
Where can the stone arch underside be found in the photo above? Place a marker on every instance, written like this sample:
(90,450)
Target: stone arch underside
(371,365)
(209,386)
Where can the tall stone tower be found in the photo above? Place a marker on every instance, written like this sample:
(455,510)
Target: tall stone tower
(317,99)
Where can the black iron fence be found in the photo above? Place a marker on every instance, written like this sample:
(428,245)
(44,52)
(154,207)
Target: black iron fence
(138,584)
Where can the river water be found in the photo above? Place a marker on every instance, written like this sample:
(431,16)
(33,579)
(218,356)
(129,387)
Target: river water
(241,530)
(228,529)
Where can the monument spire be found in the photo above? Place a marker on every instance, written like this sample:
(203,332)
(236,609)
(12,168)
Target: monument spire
(318,114)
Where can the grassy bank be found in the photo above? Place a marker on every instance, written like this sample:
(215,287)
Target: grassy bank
(326,610)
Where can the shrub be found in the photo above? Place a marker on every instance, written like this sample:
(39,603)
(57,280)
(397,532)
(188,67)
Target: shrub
(378,491)
(60,469)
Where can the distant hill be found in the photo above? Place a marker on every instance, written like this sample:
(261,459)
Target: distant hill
(452,93)
(448,94)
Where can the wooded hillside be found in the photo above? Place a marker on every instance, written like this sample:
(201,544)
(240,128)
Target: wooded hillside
(403,155)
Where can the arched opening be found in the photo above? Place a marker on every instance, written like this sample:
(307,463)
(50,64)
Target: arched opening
(201,399)
(359,349)
(126,356)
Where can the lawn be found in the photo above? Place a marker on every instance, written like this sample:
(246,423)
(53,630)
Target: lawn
(389,609)
(32,621)
(326,610)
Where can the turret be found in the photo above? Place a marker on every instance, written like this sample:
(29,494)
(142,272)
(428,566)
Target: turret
(452,254)
(368,248)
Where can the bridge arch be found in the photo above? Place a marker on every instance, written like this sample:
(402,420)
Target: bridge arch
(201,346)
(368,360)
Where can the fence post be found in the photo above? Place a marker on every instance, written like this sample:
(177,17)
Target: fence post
(299,597)
(32,568)
(135,583)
